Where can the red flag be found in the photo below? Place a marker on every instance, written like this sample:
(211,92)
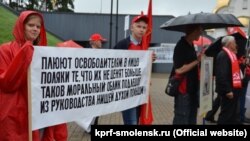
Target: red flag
(202,41)
(69,43)
(146,115)
(147,37)
(232,30)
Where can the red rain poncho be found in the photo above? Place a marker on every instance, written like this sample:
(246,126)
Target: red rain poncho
(15,58)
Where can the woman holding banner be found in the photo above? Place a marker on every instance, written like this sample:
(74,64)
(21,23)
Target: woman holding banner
(15,58)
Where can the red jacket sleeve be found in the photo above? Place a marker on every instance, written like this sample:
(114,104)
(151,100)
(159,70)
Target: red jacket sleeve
(56,133)
(14,68)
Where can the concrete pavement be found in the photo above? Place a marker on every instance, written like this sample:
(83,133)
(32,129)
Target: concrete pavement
(162,110)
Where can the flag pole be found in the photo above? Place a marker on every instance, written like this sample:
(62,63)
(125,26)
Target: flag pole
(247,44)
(111,25)
(146,115)
(116,26)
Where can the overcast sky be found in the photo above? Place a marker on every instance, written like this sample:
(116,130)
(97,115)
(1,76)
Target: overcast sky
(160,7)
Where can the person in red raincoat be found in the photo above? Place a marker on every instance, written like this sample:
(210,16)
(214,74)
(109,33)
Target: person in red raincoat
(15,58)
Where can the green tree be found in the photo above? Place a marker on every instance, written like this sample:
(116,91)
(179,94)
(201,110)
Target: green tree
(49,5)
(32,4)
(63,5)
(45,5)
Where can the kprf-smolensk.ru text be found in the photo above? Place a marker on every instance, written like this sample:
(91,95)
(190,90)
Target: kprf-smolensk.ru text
(175,133)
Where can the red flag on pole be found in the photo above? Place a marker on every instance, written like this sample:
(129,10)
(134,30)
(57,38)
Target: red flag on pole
(147,37)
(232,30)
(146,115)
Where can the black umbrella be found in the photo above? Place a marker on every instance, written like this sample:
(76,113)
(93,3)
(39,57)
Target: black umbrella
(216,46)
(206,20)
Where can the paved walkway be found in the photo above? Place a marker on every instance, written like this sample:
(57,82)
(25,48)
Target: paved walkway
(162,109)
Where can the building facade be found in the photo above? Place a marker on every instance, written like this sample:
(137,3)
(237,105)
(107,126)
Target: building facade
(239,8)
(79,27)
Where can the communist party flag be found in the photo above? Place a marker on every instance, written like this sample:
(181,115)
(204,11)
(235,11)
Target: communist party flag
(147,37)
(146,113)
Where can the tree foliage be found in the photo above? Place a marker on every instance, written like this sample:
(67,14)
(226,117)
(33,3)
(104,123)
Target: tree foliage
(43,5)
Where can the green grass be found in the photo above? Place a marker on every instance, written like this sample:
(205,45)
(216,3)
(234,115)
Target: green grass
(7,21)
(52,40)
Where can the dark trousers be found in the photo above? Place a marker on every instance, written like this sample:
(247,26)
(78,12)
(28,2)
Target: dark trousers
(242,103)
(230,110)
(216,105)
(185,110)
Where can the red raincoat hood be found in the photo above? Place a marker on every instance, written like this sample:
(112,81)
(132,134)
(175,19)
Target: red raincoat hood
(15,58)
(18,31)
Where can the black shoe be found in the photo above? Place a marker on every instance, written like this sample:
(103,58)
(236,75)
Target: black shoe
(246,120)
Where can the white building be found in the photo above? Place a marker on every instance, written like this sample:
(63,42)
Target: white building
(239,8)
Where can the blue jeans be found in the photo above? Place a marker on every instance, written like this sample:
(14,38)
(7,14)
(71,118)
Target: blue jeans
(131,116)
(185,110)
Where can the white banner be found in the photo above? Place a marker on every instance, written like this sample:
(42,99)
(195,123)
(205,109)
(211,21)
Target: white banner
(69,84)
(206,79)
(164,53)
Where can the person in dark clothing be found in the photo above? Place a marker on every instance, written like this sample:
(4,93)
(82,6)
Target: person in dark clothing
(210,114)
(228,82)
(186,65)
(216,103)
(245,67)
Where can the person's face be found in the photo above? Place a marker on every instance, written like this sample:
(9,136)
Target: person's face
(138,29)
(32,28)
(97,44)
(197,33)
(233,46)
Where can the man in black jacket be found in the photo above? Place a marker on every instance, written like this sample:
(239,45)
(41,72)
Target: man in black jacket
(228,82)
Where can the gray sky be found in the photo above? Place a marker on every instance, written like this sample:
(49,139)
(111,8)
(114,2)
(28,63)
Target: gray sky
(160,7)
